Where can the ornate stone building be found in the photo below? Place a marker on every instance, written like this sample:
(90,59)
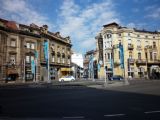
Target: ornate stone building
(20,45)
(129,52)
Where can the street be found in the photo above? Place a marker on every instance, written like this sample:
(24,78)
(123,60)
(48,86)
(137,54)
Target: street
(140,100)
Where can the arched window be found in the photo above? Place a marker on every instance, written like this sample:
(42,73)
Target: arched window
(139,55)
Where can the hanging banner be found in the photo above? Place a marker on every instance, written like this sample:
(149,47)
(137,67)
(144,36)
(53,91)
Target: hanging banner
(99,67)
(33,67)
(36,54)
(46,50)
(121,56)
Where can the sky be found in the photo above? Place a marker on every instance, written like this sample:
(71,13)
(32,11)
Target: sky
(83,19)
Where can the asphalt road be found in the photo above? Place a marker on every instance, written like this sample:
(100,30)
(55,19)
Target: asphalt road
(134,102)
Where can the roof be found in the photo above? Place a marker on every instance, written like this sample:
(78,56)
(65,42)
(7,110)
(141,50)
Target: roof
(111,24)
(145,31)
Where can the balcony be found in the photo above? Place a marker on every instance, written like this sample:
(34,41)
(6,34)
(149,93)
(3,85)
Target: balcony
(117,63)
(156,61)
(131,60)
(141,61)
(130,47)
(152,47)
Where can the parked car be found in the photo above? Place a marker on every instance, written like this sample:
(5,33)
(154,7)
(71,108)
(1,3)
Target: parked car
(85,76)
(116,77)
(66,78)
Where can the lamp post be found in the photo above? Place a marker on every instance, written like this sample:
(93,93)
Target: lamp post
(105,67)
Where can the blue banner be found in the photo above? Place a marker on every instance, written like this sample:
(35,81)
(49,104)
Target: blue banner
(46,50)
(33,66)
(36,54)
(99,67)
(121,56)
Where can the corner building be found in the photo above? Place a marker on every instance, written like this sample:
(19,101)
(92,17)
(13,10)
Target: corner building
(131,53)
(21,44)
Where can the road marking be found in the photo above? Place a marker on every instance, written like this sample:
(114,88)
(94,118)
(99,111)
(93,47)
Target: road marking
(112,115)
(74,117)
(148,112)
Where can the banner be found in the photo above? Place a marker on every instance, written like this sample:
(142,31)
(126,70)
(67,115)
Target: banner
(33,67)
(99,67)
(36,54)
(46,50)
(121,56)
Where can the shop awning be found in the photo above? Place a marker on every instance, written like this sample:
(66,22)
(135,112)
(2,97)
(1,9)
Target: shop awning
(66,69)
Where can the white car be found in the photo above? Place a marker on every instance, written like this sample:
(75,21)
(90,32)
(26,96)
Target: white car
(66,78)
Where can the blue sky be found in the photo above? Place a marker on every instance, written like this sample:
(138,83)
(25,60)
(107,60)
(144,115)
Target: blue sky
(83,19)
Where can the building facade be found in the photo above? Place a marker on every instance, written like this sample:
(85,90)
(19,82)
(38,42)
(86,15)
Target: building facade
(23,53)
(131,53)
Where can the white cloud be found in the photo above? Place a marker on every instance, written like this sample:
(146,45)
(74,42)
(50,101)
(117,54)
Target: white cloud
(131,25)
(82,24)
(22,12)
(155,14)
(153,11)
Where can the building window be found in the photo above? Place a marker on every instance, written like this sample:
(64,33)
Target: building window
(108,54)
(129,41)
(119,54)
(146,43)
(13,59)
(119,34)
(68,60)
(154,44)
(111,55)
(63,60)
(151,58)
(13,42)
(68,50)
(146,36)
(28,45)
(32,46)
(155,56)
(53,47)
(129,34)
(138,35)
(62,50)
(58,48)
(58,59)
(139,55)
(138,43)
(154,37)
(53,58)
(146,55)
(27,59)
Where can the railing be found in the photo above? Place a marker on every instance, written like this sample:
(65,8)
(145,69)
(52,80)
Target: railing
(139,47)
(131,60)
(139,61)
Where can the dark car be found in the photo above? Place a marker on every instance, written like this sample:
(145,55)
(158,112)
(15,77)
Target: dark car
(116,77)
